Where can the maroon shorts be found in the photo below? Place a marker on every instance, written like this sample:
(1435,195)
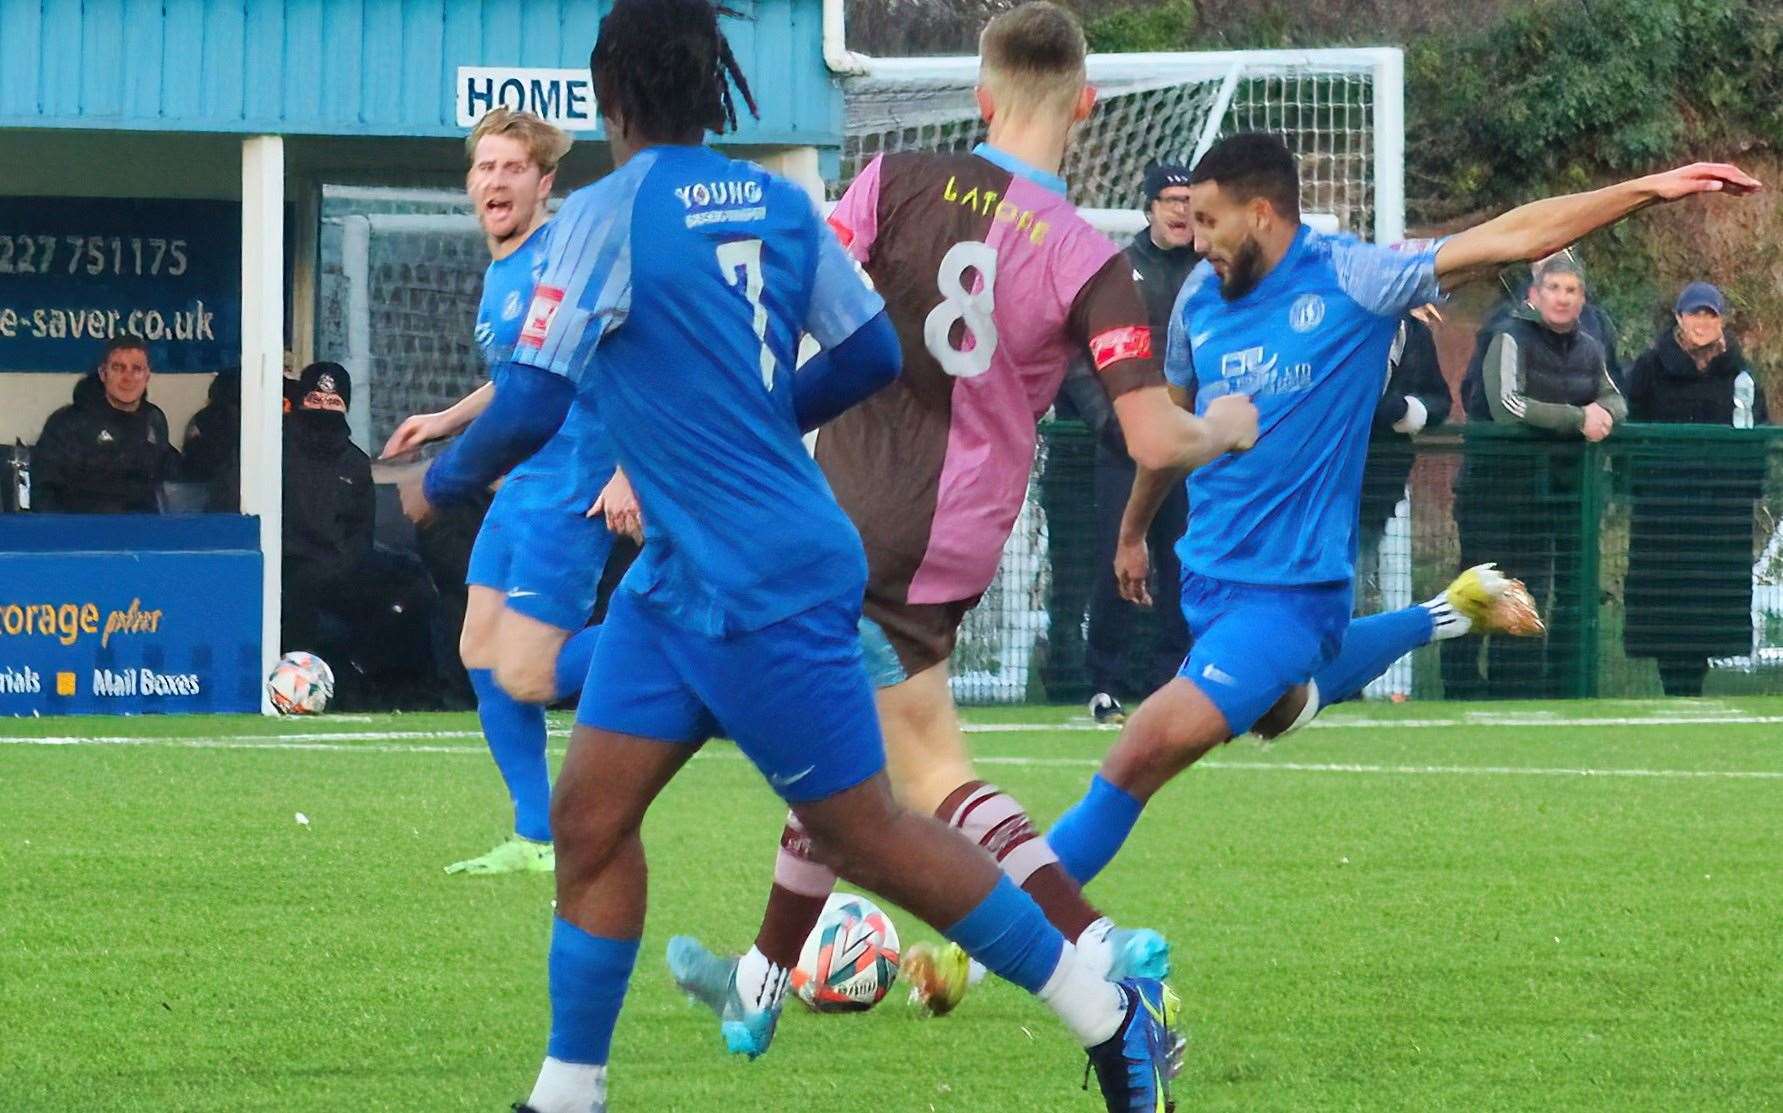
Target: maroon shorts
(903,639)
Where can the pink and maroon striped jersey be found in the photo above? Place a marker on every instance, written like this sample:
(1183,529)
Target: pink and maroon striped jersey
(994,284)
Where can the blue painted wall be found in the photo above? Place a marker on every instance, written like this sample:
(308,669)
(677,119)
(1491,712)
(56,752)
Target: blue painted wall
(349,67)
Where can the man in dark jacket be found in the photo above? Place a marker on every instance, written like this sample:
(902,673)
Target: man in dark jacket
(108,451)
(1416,398)
(366,612)
(213,444)
(1130,652)
(1689,588)
(1516,502)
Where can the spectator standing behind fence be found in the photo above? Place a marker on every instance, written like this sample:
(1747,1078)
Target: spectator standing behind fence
(1593,319)
(1119,664)
(1517,501)
(1416,398)
(1689,585)
(107,452)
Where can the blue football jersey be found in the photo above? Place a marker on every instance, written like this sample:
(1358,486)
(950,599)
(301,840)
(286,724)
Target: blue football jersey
(571,468)
(1309,344)
(677,287)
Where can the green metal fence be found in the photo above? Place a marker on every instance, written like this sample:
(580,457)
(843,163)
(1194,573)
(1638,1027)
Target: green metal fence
(1660,548)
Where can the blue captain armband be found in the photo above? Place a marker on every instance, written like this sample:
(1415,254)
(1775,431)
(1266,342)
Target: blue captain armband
(525,413)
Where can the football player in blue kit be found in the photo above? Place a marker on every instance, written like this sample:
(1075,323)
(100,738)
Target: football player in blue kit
(538,557)
(1302,323)
(741,615)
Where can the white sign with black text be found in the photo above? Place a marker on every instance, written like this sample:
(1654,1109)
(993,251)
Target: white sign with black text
(561,97)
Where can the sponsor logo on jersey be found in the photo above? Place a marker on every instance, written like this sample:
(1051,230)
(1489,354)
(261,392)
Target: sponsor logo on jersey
(1117,344)
(545,302)
(1248,372)
(1306,313)
(722,202)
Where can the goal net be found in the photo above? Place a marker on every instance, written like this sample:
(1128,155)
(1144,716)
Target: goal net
(1340,112)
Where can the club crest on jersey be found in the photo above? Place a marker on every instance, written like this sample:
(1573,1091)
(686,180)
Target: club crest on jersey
(1306,313)
(545,302)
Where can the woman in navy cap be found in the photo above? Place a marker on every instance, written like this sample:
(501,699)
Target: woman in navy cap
(1689,593)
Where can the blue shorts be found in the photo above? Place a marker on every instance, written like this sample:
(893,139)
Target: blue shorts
(1254,643)
(794,694)
(548,562)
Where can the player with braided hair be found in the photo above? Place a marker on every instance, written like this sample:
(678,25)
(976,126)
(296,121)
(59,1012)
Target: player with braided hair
(742,613)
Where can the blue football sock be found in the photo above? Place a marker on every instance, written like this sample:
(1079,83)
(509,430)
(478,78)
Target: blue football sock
(516,734)
(589,974)
(1370,647)
(1087,837)
(572,661)
(1009,934)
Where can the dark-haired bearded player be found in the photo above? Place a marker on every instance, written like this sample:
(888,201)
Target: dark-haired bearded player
(1302,322)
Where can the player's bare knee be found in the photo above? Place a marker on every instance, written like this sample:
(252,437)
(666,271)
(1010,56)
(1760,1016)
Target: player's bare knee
(528,680)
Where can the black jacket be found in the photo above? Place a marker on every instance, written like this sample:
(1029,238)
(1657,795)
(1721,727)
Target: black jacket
(1593,320)
(213,444)
(1688,592)
(1664,385)
(1535,376)
(93,458)
(1415,374)
(329,500)
(1158,274)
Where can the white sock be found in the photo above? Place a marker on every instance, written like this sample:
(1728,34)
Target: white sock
(760,983)
(1091,1006)
(1445,621)
(570,1087)
(1093,948)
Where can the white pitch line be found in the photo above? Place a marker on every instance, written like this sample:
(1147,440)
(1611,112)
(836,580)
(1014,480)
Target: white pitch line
(1510,720)
(250,742)
(1343,723)
(1419,770)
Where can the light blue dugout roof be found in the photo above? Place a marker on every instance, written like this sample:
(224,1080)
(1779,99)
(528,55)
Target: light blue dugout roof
(377,68)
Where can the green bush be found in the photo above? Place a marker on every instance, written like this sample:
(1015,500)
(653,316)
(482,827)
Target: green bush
(1555,96)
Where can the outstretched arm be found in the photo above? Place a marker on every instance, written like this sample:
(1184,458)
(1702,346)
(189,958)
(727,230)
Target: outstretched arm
(1543,227)
(422,428)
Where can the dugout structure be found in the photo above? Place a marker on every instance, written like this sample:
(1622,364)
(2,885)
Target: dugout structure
(188,150)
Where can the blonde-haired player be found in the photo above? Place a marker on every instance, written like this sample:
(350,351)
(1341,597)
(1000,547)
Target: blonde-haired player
(994,283)
(539,556)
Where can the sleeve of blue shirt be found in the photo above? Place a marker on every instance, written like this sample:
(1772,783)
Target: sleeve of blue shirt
(1387,281)
(860,347)
(585,291)
(1179,352)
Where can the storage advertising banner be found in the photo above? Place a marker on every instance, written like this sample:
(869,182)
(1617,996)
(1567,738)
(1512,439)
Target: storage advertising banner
(76,272)
(113,633)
